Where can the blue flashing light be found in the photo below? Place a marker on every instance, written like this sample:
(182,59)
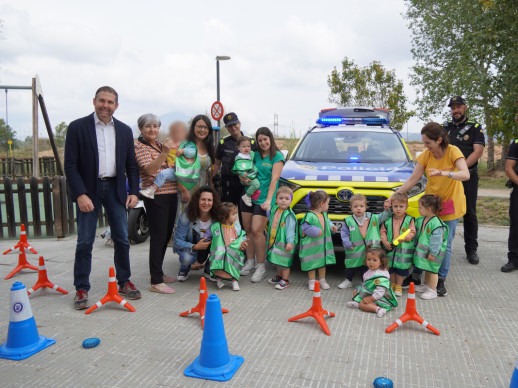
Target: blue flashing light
(354,158)
(352,120)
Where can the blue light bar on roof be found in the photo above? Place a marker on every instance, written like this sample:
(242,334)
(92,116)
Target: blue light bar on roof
(352,120)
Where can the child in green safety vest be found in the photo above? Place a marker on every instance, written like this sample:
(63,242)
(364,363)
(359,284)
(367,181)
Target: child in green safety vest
(374,295)
(282,237)
(361,229)
(316,245)
(431,242)
(401,255)
(227,245)
(183,163)
(244,166)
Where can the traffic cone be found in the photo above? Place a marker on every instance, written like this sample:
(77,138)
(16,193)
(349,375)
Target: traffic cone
(23,339)
(112,295)
(214,362)
(316,311)
(514,377)
(411,314)
(200,307)
(43,280)
(21,246)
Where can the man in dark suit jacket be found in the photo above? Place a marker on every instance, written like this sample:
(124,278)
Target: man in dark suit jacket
(99,156)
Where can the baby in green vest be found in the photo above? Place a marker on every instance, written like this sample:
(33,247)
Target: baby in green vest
(186,150)
(400,255)
(244,166)
(282,237)
(228,241)
(432,239)
(374,295)
(316,244)
(361,229)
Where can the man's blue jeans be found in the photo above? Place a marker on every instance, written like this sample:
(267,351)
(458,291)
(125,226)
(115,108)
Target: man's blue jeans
(445,266)
(86,227)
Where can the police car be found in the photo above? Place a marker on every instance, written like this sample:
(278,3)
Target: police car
(350,151)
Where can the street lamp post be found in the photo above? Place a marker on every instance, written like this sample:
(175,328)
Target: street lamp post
(219,58)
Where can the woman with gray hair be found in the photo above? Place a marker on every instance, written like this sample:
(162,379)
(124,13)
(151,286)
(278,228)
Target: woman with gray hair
(151,156)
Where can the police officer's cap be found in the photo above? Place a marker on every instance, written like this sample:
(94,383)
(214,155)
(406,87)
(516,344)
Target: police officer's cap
(230,119)
(457,100)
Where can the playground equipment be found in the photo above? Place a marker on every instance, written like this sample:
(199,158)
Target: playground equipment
(21,246)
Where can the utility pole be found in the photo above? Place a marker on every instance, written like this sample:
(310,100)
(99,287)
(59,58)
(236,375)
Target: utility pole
(275,124)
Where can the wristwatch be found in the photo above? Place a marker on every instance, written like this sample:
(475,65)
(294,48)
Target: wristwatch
(450,175)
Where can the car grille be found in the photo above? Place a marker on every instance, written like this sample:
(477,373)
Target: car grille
(336,207)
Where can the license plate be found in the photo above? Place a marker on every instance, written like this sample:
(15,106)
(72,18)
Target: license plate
(339,225)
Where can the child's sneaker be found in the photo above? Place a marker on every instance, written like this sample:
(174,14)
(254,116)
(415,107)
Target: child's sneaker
(429,294)
(220,283)
(247,200)
(380,312)
(421,288)
(324,285)
(282,284)
(353,304)
(398,290)
(259,273)
(276,279)
(235,285)
(182,276)
(393,286)
(148,193)
(249,265)
(345,284)
(311,285)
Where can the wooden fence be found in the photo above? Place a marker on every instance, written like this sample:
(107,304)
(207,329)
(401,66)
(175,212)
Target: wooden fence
(52,210)
(22,167)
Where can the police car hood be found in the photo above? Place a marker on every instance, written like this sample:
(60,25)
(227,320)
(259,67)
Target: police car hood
(350,172)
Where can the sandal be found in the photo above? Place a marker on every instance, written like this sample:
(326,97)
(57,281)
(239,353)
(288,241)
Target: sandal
(169,279)
(161,288)
(197,266)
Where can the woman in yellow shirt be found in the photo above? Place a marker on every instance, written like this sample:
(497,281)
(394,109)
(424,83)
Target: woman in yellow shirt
(445,167)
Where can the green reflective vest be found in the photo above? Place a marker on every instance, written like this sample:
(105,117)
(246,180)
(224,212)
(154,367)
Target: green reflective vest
(242,165)
(354,258)
(187,173)
(277,253)
(316,252)
(402,255)
(422,248)
(367,288)
(229,259)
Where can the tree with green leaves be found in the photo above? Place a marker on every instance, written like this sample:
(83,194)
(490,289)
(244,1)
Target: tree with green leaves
(60,133)
(373,86)
(6,134)
(468,48)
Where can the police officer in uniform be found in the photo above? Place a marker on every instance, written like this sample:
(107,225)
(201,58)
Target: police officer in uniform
(226,152)
(511,170)
(469,137)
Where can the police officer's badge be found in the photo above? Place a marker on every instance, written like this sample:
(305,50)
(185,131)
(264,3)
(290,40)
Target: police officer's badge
(466,137)
(377,282)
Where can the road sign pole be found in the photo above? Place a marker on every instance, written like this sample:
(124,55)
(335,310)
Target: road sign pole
(218,136)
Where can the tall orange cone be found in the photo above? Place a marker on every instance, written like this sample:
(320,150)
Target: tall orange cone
(316,311)
(43,280)
(112,295)
(411,314)
(21,246)
(200,307)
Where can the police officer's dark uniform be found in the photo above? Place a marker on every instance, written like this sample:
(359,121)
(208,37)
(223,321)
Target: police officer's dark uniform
(231,187)
(512,254)
(464,136)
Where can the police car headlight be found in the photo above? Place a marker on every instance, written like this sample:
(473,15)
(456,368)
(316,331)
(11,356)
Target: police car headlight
(419,187)
(294,187)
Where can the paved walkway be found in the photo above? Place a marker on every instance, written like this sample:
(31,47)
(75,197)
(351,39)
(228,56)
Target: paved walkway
(499,193)
(478,345)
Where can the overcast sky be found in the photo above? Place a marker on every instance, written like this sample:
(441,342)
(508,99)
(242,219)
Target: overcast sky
(160,55)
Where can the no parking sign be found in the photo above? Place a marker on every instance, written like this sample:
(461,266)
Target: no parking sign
(216,111)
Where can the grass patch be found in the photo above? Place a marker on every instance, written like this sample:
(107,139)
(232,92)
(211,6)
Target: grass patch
(493,211)
(495,180)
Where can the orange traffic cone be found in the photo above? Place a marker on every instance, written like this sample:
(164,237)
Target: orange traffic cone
(411,314)
(43,280)
(316,311)
(200,307)
(21,246)
(112,295)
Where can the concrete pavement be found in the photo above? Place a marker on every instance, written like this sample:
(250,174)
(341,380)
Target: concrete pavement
(478,321)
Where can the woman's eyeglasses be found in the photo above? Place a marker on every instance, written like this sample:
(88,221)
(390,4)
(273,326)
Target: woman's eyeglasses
(202,127)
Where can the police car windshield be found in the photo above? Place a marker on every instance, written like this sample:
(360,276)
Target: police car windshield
(351,147)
